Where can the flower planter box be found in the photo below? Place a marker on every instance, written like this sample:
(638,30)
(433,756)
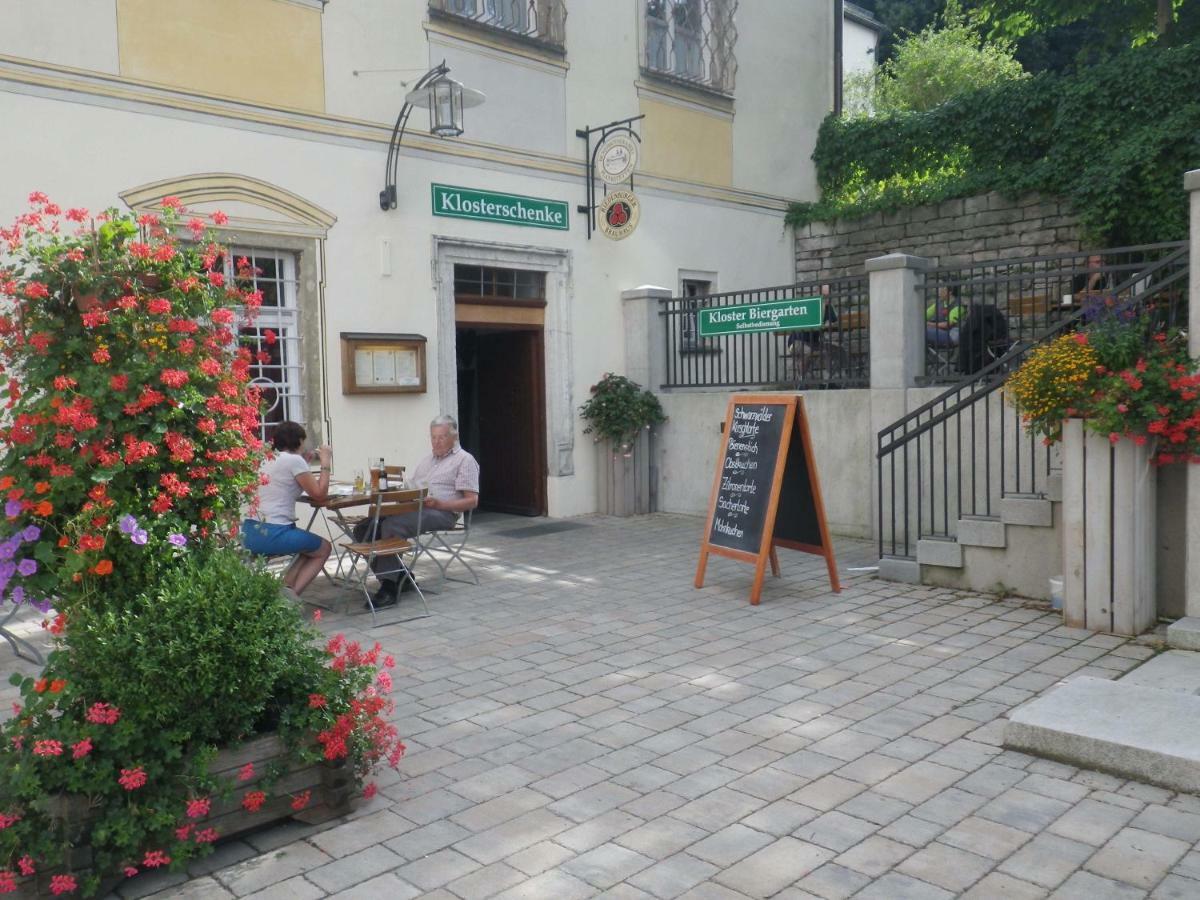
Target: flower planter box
(332,794)
(626,477)
(1108,532)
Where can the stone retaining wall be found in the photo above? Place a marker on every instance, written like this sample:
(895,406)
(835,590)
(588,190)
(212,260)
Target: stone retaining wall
(953,232)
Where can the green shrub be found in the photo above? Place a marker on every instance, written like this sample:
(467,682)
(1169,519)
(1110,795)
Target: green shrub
(619,408)
(1114,140)
(202,653)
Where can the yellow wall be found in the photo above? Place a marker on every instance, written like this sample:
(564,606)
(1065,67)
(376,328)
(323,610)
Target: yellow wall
(265,51)
(686,143)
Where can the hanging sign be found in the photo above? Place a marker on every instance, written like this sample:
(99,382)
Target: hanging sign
(616,159)
(490,206)
(618,214)
(766,493)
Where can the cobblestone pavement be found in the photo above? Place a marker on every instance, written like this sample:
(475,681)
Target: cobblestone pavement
(584,723)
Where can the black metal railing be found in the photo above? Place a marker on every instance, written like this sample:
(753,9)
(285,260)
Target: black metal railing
(692,41)
(543,21)
(838,354)
(976,314)
(961,453)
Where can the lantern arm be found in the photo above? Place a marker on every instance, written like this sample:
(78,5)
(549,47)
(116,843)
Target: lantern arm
(387,197)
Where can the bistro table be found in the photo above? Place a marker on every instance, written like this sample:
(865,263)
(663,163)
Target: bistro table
(18,644)
(340,523)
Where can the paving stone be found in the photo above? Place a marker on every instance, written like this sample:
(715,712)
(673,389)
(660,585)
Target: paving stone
(835,830)
(833,882)
(262,871)
(947,867)
(1020,809)
(918,782)
(486,881)
(729,845)
(506,839)
(382,887)
(295,888)
(539,858)
(1092,822)
(998,885)
(607,865)
(985,838)
(553,884)
(673,875)
(354,835)
(895,886)
(780,818)
(1046,860)
(874,855)
(827,792)
(661,837)
(1169,822)
(350,870)
(1137,857)
(1086,886)
(1174,887)
(771,869)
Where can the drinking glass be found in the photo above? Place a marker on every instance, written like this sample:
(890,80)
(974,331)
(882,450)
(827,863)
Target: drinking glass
(360,484)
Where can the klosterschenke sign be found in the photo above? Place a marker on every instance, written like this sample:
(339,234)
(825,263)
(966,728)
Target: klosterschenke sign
(779,315)
(509,209)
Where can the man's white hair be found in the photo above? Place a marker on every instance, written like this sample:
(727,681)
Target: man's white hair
(445,420)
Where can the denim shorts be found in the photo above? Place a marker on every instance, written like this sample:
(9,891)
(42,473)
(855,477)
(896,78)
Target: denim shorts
(266,539)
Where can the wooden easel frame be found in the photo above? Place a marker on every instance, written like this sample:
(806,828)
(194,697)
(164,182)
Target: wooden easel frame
(796,421)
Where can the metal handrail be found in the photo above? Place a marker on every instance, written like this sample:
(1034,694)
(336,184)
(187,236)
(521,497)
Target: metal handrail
(980,467)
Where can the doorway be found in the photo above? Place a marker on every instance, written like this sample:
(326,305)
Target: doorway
(501,385)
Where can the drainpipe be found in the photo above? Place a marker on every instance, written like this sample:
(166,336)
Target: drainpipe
(839,19)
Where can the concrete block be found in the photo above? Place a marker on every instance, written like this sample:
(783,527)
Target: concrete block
(907,571)
(978,531)
(940,553)
(1035,511)
(1175,670)
(1184,634)
(1125,729)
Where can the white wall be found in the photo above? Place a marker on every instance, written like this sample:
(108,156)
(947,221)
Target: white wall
(77,33)
(858,47)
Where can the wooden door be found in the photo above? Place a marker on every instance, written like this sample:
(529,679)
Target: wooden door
(510,416)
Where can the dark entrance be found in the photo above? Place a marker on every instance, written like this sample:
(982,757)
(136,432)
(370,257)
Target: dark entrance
(501,391)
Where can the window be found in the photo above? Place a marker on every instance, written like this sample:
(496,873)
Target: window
(693,289)
(543,21)
(274,336)
(692,41)
(488,283)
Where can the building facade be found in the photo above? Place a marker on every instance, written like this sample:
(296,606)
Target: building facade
(279,113)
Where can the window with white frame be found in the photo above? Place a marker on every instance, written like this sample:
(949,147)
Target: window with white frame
(542,20)
(273,336)
(692,41)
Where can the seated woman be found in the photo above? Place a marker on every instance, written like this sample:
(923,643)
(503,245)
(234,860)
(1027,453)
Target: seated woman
(942,319)
(285,477)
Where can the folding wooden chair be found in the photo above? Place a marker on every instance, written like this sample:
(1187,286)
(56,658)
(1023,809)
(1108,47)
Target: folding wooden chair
(384,504)
(447,540)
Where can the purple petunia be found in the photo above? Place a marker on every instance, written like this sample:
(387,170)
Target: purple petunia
(27,567)
(31,533)
(139,537)
(128,525)
(18,595)
(12,508)
(177,539)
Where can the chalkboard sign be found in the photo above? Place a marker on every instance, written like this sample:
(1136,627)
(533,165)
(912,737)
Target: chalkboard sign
(747,474)
(766,493)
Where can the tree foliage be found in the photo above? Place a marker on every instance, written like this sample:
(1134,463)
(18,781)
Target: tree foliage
(936,64)
(1114,139)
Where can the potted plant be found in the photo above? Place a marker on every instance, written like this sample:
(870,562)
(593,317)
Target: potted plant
(1123,397)
(129,444)
(618,412)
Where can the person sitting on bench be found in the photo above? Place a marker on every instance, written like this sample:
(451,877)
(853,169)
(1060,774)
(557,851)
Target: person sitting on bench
(942,319)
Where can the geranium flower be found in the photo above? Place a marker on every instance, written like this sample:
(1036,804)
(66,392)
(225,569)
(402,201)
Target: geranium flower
(253,801)
(155,858)
(301,800)
(47,748)
(132,779)
(206,836)
(198,808)
(369,790)
(103,714)
(25,864)
(63,884)
(8,882)
(130,871)
(246,772)
(81,749)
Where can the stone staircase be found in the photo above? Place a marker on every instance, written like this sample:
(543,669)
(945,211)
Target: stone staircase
(1142,726)
(1016,552)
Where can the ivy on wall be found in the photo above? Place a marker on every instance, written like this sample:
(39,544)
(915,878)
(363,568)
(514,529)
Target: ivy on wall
(1114,140)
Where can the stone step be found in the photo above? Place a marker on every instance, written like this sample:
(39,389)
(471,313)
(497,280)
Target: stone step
(1184,634)
(1035,511)
(940,552)
(1175,670)
(1120,727)
(981,531)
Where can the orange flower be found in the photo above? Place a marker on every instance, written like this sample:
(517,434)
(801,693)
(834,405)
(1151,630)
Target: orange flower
(41,487)
(104,567)
(44,508)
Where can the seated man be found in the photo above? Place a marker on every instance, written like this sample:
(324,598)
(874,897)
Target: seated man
(805,343)
(1094,280)
(942,319)
(451,476)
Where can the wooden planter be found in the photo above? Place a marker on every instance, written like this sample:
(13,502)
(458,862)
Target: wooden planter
(627,477)
(1108,532)
(331,785)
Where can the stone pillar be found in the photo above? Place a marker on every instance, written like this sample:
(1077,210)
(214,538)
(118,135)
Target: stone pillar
(645,335)
(1191,183)
(897,308)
